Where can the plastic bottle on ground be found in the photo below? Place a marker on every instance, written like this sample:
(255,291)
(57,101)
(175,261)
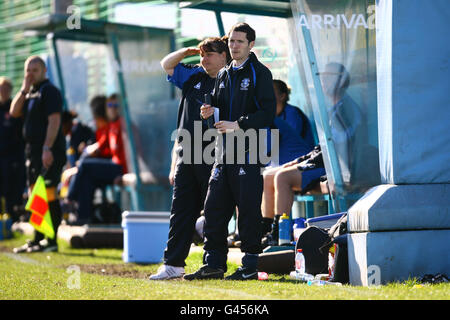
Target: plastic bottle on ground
(300,262)
(323,283)
(305,277)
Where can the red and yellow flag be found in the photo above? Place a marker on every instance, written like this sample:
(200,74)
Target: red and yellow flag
(38,205)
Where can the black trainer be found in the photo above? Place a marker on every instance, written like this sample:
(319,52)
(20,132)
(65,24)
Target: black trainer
(269,240)
(27,246)
(205,273)
(243,274)
(44,246)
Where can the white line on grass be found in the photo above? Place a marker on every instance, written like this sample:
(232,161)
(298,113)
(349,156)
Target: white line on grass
(22,259)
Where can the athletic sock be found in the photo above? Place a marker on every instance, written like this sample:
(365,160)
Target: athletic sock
(266,225)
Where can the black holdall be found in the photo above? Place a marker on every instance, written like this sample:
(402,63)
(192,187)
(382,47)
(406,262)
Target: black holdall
(310,241)
(338,235)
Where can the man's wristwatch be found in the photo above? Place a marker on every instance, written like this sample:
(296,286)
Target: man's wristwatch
(46,148)
(23,93)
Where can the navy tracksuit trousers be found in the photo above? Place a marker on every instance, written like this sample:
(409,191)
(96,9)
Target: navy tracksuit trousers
(189,193)
(233,185)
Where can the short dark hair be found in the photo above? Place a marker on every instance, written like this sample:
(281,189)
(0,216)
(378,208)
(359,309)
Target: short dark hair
(68,116)
(113,96)
(98,106)
(36,59)
(244,27)
(282,87)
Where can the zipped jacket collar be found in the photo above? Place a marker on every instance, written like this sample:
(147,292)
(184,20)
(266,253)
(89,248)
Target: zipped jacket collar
(251,58)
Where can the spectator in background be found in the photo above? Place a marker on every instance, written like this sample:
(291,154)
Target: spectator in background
(12,156)
(97,172)
(296,139)
(79,136)
(348,128)
(100,148)
(291,114)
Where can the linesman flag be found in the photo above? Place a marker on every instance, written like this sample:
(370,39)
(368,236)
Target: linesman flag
(38,205)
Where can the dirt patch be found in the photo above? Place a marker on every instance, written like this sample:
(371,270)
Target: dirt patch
(6,249)
(114,270)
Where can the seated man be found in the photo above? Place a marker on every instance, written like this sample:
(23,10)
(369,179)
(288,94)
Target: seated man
(93,172)
(100,147)
(300,175)
(348,127)
(79,136)
(296,139)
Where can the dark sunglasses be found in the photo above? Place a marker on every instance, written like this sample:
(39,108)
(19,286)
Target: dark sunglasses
(112,105)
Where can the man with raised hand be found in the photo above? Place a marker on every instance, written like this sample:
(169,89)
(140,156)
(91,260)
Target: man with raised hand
(188,177)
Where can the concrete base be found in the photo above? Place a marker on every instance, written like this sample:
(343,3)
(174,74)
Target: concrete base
(381,257)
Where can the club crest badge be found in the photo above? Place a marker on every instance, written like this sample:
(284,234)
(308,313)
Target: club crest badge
(245,83)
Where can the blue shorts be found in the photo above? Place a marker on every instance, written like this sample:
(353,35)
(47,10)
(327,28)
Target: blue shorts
(310,177)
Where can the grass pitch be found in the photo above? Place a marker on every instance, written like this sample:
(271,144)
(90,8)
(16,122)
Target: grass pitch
(100,274)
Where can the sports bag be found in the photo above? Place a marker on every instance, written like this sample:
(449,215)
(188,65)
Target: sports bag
(310,241)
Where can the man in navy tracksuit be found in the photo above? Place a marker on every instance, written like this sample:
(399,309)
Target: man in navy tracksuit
(245,97)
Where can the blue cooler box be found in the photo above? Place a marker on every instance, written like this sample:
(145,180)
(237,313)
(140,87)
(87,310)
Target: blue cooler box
(324,222)
(144,236)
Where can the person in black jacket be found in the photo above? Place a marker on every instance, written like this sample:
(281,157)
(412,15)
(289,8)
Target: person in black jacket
(40,104)
(188,176)
(244,94)
(79,136)
(12,156)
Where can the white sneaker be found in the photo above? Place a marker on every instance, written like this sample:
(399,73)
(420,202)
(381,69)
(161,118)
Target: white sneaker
(166,272)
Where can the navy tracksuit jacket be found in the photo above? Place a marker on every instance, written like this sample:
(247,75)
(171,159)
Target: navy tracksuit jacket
(244,95)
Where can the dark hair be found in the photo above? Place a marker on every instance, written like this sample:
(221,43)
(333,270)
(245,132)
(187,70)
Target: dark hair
(113,96)
(244,27)
(282,87)
(68,116)
(98,106)
(215,44)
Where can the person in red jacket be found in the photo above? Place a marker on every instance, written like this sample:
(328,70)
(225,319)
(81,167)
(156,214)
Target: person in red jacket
(95,172)
(115,138)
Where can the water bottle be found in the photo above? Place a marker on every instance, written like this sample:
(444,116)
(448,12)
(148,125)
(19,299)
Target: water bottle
(298,228)
(300,262)
(71,156)
(305,277)
(323,283)
(284,233)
